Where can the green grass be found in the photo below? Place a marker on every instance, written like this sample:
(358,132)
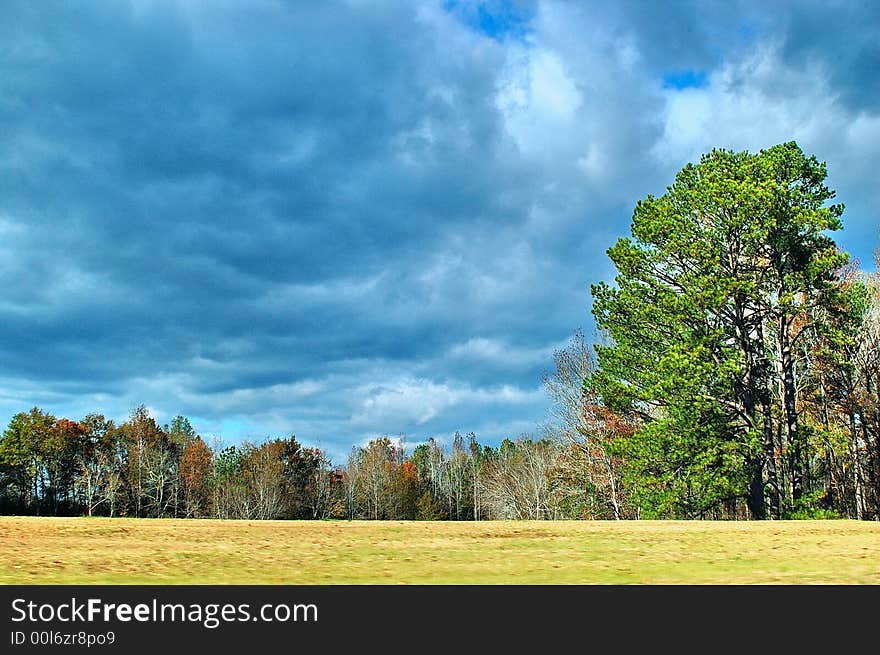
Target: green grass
(149,551)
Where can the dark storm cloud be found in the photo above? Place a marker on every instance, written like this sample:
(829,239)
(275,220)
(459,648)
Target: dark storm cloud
(344,219)
(844,38)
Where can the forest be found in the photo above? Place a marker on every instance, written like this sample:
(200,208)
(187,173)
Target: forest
(735,374)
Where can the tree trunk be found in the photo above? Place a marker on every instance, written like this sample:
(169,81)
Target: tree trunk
(826,423)
(858,492)
(756,503)
(789,394)
(769,446)
(760,379)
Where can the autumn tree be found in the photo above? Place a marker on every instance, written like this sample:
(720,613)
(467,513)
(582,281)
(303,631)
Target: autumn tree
(96,473)
(137,434)
(380,484)
(196,462)
(262,471)
(843,400)
(589,471)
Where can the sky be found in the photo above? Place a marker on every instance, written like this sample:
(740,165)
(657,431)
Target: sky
(343,220)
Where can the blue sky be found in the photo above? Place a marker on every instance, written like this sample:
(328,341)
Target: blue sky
(349,219)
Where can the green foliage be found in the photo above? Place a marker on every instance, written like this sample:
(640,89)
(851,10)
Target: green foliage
(735,247)
(228,462)
(25,444)
(429,508)
(678,467)
(813,514)
(181,430)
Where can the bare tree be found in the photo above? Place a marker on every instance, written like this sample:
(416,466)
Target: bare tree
(518,482)
(263,475)
(588,469)
(93,468)
(322,491)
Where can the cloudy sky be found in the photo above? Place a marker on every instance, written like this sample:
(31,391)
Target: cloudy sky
(349,219)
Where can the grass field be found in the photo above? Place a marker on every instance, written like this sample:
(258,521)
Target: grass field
(149,551)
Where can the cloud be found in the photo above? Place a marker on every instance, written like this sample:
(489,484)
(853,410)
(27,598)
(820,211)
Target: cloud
(762,100)
(351,219)
(418,401)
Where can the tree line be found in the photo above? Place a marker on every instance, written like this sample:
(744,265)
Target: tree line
(736,375)
(51,466)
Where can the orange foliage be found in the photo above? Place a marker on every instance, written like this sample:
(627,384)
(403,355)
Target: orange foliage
(195,464)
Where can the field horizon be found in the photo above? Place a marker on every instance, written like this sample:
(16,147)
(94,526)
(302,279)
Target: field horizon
(96,550)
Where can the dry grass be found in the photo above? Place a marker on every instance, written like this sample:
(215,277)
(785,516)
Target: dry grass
(147,551)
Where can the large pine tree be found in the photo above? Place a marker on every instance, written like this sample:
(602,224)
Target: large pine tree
(722,276)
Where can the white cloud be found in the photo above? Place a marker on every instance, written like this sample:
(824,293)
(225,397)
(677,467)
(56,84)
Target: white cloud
(538,100)
(749,104)
(761,101)
(416,400)
(498,351)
